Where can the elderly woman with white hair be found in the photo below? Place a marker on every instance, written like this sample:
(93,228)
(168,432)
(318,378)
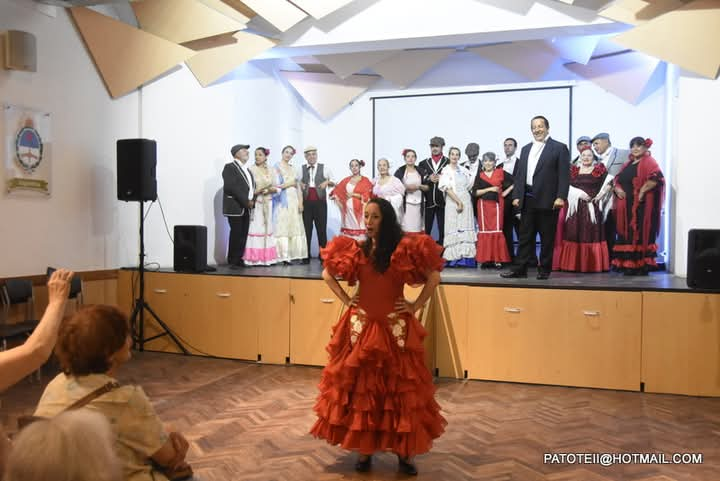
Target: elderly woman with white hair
(389,187)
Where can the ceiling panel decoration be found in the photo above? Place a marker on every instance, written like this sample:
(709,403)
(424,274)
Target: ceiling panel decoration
(280,13)
(406,67)
(226,10)
(345,64)
(125,56)
(182,20)
(326,93)
(212,64)
(531,58)
(320,8)
(625,75)
(688,36)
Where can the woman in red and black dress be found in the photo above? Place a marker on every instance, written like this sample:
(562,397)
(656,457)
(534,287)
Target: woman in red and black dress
(639,190)
(376,394)
(350,195)
(583,247)
(491,187)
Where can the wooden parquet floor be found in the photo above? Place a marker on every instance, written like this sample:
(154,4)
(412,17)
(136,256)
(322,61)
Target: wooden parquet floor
(250,421)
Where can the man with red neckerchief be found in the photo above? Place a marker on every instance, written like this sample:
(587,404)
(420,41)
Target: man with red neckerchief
(434,198)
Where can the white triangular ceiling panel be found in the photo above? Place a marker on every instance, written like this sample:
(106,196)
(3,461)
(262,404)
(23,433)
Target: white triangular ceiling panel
(576,49)
(280,13)
(126,57)
(325,92)
(182,20)
(407,66)
(530,58)
(346,64)
(688,37)
(625,75)
(320,8)
(211,64)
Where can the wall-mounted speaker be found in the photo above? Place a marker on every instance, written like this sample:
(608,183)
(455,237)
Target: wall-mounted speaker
(136,161)
(20,51)
(703,263)
(190,248)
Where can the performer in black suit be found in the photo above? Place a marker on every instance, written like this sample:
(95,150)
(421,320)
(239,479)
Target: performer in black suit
(238,192)
(541,188)
(434,198)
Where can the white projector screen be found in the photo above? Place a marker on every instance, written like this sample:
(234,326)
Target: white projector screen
(484,117)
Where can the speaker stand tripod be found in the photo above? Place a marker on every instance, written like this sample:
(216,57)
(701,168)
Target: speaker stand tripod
(137,319)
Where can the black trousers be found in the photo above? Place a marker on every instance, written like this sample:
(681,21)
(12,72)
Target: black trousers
(239,226)
(430,214)
(532,222)
(315,212)
(510,223)
(610,232)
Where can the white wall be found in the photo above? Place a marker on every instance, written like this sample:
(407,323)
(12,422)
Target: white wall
(77,225)
(349,133)
(697,169)
(194,128)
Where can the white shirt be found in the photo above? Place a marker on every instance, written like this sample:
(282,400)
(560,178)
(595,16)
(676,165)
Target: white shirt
(509,164)
(533,158)
(327,175)
(472,167)
(605,158)
(248,177)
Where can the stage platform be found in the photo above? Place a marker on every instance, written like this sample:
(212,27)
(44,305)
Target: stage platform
(606,281)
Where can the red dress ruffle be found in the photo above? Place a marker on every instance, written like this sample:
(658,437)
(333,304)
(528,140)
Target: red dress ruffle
(376,394)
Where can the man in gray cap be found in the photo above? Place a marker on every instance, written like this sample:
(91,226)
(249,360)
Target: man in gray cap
(581,143)
(315,179)
(434,198)
(613,160)
(238,194)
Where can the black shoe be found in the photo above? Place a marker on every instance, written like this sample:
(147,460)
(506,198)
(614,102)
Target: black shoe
(306,261)
(404,466)
(543,275)
(514,274)
(363,466)
(238,265)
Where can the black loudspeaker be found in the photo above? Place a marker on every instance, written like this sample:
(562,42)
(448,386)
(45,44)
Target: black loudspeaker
(703,264)
(190,252)
(136,161)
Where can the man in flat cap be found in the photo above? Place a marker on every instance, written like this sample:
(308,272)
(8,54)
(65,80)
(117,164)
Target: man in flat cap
(238,194)
(582,142)
(541,189)
(613,159)
(315,178)
(434,198)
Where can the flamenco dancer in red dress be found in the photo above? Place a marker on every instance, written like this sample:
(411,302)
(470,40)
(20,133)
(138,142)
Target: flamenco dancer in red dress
(376,394)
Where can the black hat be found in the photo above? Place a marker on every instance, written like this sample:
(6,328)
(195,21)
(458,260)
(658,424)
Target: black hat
(437,141)
(472,149)
(237,147)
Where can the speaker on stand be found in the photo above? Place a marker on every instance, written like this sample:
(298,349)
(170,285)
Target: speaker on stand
(136,161)
(703,262)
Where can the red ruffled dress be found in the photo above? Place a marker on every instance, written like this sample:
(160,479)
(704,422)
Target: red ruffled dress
(376,394)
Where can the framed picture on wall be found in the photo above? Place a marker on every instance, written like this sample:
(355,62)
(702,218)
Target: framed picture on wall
(28,148)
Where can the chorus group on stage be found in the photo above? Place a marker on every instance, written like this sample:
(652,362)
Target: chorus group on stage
(596,212)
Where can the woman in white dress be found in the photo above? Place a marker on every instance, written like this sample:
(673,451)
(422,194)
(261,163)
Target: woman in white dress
(351,195)
(411,176)
(460,235)
(389,188)
(261,248)
(287,211)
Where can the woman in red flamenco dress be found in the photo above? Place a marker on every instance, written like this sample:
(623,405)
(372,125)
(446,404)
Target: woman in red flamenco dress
(376,394)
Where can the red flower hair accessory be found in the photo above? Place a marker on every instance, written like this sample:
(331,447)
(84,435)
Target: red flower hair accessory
(583,148)
(361,162)
(267,152)
(648,143)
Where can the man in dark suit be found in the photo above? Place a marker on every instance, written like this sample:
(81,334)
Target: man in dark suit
(238,194)
(541,188)
(434,198)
